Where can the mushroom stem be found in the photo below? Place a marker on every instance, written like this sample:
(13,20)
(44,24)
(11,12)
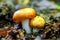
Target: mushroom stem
(25,25)
(35,30)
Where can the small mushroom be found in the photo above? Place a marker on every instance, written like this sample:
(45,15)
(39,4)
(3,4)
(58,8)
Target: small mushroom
(37,23)
(23,15)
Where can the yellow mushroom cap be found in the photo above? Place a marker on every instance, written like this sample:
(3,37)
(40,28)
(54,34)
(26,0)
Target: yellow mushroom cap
(37,22)
(23,14)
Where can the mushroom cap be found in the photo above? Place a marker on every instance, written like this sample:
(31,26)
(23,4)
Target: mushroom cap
(22,14)
(37,22)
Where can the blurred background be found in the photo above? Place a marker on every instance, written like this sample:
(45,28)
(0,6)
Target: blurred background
(48,9)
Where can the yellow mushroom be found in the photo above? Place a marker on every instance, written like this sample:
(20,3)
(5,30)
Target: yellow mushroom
(37,22)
